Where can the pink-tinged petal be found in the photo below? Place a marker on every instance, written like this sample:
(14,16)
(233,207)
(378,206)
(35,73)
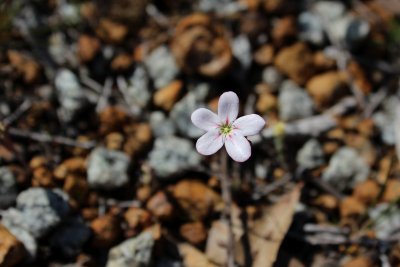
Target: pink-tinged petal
(228,107)
(237,146)
(209,143)
(205,119)
(249,124)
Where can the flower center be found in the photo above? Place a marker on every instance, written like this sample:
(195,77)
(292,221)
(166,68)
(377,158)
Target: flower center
(225,129)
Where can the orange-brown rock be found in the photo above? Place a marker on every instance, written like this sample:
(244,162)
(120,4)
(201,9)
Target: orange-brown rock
(284,30)
(327,202)
(143,193)
(42,177)
(106,231)
(328,87)
(160,206)
(27,68)
(275,6)
(264,55)
(200,46)
(37,161)
(12,251)
(266,102)
(364,147)
(139,136)
(392,191)
(323,62)
(89,214)
(77,188)
(122,62)
(114,140)
(350,207)
(366,127)
(251,4)
(360,261)
(195,233)
(75,165)
(88,47)
(195,198)
(359,77)
(367,192)
(112,119)
(111,31)
(167,96)
(330,147)
(297,62)
(137,219)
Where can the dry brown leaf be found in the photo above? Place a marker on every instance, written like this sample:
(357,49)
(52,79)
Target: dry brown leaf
(269,231)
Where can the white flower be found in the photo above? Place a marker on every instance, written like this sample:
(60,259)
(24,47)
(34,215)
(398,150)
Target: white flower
(224,128)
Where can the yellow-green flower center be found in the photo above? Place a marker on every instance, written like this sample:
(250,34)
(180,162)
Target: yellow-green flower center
(225,129)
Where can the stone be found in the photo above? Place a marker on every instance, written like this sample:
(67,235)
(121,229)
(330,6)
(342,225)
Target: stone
(310,28)
(69,237)
(351,206)
(77,188)
(360,261)
(196,199)
(195,233)
(349,30)
(311,155)
(284,30)
(327,88)
(138,138)
(60,51)
(134,252)
(107,169)
(296,61)
(137,92)
(111,31)
(241,49)
(266,102)
(106,231)
(172,155)
(392,191)
(386,218)
(161,66)
(114,141)
(122,62)
(161,125)
(346,168)
(27,240)
(160,206)
(329,10)
(112,119)
(272,77)
(136,219)
(8,188)
(167,96)
(12,251)
(181,113)
(38,211)
(25,66)
(88,47)
(367,192)
(384,120)
(42,177)
(70,95)
(264,55)
(294,102)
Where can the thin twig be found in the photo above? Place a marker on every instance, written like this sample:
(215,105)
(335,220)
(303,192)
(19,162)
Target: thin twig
(25,106)
(46,138)
(227,197)
(105,94)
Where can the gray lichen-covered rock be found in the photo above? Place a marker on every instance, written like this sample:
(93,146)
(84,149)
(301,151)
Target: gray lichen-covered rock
(161,125)
(107,169)
(138,92)
(272,77)
(8,188)
(223,7)
(70,94)
(162,66)
(346,168)
(69,238)
(384,120)
(294,102)
(386,220)
(241,49)
(310,28)
(182,110)
(134,252)
(310,155)
(172,155)
(329,10)
(38,211)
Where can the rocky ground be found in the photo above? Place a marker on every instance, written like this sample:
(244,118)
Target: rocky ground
(97,159)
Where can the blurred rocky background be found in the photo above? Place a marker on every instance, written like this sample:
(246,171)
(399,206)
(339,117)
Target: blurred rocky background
(97,159)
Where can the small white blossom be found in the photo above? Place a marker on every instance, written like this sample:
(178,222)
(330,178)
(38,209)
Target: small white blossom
(224,128)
